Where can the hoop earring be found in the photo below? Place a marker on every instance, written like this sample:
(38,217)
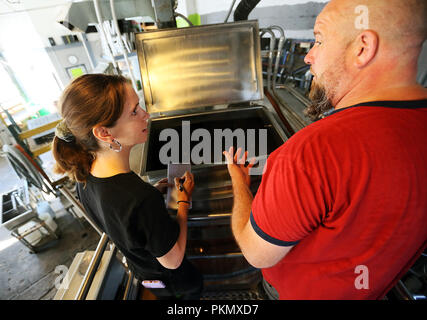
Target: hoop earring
(119,145)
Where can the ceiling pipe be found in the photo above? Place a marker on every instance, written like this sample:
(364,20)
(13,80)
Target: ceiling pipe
(244,8)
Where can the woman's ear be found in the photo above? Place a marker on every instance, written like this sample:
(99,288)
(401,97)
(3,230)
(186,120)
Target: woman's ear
(102,134)
(366,47)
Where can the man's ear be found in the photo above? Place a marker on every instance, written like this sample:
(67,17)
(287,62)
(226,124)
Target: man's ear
(102,134)
(366,47)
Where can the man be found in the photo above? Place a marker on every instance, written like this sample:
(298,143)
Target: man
(341,211)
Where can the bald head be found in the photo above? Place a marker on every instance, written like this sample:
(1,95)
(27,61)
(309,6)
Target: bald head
(364,49)
(399,23)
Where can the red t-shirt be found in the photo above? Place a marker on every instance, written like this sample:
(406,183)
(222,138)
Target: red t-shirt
(350,192)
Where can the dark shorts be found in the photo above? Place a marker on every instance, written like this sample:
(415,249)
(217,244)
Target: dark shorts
(185,282)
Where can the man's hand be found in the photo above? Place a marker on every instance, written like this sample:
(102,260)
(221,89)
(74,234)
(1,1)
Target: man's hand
(162,185)
(236,168)
(258,252)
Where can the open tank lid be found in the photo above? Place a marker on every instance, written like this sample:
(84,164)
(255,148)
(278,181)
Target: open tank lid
(200,66)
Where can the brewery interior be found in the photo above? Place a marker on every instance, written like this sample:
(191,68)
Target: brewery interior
(49,248)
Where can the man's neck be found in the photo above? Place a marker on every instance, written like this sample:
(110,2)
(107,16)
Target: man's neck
(358,95)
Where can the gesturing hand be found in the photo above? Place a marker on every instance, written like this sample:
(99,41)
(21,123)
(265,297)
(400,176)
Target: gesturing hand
(236,168)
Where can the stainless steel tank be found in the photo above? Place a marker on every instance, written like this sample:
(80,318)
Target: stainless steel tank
(210,78)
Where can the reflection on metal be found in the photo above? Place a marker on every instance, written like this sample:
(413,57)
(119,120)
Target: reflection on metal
(200,66)
(93,266)
(128,285)
(294,119)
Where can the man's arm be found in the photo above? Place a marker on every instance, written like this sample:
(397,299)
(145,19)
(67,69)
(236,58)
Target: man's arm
(257,251)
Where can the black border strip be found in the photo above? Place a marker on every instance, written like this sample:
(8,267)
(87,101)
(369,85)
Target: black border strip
(268,238)
(403,104)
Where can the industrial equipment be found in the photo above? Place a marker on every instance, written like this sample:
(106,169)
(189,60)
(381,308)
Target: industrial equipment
(203,81)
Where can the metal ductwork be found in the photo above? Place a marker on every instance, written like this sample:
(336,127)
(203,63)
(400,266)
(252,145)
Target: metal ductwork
(244,8)
(76,16)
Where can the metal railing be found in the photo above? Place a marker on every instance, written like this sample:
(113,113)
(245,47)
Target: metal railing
(92,268)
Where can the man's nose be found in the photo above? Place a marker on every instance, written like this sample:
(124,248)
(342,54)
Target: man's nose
(308,59)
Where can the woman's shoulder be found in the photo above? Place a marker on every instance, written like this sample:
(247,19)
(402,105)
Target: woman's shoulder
(129,183)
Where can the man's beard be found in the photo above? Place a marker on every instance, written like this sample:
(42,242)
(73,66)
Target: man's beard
(320,102)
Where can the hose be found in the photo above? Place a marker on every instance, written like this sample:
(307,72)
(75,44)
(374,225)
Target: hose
(176,14)
(244,8)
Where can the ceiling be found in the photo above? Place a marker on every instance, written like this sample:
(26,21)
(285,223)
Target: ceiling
(13,6)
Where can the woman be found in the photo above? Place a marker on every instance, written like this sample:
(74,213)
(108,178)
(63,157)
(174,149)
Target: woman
(102,121)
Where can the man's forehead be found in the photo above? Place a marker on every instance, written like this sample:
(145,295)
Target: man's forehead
(320,25)
(328,20)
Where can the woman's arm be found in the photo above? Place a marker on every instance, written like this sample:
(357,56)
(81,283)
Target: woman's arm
(173,258)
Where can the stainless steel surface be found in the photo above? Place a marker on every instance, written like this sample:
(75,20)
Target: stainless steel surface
(200,66)
(211,245)
(93,266)
(187,75)
(297,121)
(279,52)
(292,105)
(128,285)
(270,54)
(255,117)
(24,216)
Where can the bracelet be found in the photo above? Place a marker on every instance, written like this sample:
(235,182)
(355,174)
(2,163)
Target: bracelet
(188,202)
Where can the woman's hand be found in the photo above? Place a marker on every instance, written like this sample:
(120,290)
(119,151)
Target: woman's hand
(236,167)
(162,185)
(188,186)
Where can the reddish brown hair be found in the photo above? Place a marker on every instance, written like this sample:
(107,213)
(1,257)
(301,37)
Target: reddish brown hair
(91,99)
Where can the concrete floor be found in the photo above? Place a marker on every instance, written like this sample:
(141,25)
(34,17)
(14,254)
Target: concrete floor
(26,276)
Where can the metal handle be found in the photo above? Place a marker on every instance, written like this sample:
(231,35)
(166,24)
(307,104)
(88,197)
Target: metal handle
(128,283)
(91,270)
(270,53)
(279,53)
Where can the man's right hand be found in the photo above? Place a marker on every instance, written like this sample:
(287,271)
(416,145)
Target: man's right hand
(188,186)
(236,168)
